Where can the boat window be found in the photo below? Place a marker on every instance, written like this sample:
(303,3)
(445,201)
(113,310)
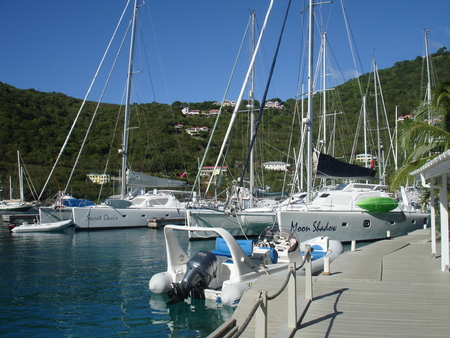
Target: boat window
(366,223)
(341,186)
(342,199)
(157,201)
(344,224)
(138,200)
(393,222)
(324,195)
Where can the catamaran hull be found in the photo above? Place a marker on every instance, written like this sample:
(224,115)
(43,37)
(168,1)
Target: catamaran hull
(347,226)
(248,224)
(108,217)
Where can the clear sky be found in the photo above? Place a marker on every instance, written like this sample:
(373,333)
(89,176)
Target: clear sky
(189,47)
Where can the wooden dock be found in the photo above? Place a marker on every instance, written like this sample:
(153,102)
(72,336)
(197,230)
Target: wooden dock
(391,288)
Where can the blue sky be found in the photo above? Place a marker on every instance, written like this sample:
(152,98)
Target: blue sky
(189,47)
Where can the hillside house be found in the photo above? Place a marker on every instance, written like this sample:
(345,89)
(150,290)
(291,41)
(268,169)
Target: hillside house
(276,165)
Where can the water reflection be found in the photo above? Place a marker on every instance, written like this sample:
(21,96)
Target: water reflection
(187,319)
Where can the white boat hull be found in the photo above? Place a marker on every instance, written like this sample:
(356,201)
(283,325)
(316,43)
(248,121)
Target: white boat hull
(42,227)
(105,217)
(347,226)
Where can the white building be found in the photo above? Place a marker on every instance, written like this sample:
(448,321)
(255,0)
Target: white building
(99,178)
(209,170)
(276,165)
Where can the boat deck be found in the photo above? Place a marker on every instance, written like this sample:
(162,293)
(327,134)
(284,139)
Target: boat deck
(391,288)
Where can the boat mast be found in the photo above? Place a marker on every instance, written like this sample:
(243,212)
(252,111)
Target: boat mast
(324,75)
(379,152)
(252,110)
(309,119)
(241,93)
(124,149)
(22,198)
(427,55)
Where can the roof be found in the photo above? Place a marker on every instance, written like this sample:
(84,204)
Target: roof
(436,167)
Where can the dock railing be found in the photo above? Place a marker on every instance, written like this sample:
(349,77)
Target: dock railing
(296,311)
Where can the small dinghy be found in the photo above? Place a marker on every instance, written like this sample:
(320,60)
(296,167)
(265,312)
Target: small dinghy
(40,227)
(225,273)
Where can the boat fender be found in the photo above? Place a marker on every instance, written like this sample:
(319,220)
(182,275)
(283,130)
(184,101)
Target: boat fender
(232,293)
(160,283)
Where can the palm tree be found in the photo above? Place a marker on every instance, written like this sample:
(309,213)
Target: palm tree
(425,136)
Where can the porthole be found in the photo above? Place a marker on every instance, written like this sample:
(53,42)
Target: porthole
(344,224)
(366,223)
(413,221)
(392,222)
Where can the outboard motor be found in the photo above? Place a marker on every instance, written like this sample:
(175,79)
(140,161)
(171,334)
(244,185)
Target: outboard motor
(201,269)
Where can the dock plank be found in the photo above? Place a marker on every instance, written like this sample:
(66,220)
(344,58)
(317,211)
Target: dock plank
(391,288)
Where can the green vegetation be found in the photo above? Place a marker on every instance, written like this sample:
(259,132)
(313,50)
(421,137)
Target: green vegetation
(37,123)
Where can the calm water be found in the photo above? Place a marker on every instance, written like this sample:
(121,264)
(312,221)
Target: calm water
(93,284)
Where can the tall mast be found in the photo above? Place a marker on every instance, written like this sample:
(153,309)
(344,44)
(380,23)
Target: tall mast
(427,55)
(252,110)
(124,149)
(375,79)
(324,74)
(22,198)
(309,120)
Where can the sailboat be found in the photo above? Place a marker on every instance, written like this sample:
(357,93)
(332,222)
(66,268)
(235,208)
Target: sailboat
(16,204)
(345,212)
(135,207)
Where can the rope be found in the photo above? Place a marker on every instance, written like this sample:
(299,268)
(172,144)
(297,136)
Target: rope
(247,320)
(259,300)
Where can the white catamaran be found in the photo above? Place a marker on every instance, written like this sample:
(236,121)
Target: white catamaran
(135,207)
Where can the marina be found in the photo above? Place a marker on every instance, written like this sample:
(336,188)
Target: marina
(390,288)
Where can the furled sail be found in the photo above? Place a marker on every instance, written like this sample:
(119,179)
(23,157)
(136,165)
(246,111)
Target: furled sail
(135,179)
(329,167)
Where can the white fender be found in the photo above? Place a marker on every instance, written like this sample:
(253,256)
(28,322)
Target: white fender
(232,294)
(161,283)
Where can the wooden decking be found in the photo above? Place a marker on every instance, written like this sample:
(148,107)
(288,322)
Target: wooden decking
(391,288)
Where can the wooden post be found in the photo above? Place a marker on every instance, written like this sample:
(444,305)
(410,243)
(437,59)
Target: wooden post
(292,297)
(261,317)
(308,275)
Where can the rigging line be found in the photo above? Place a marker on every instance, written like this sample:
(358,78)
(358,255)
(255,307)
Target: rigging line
(352,42)
(96,110)
(261,107)
(111,144)
(165,82)
(219,113)
(244,85)
(84,101)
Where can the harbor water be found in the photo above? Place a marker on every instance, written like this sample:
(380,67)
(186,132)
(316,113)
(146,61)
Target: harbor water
(94,284)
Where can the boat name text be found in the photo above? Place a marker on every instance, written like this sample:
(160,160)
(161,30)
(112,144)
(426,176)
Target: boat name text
(102,218)
(316,227)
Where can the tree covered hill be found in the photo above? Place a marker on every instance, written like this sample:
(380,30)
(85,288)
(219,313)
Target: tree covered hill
(37,124)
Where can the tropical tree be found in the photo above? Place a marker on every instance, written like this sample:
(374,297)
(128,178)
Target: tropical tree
(425,136)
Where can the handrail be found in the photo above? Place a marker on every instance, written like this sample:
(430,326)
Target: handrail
(261,305)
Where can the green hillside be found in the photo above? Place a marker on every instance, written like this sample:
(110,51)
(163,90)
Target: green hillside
(37,123)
